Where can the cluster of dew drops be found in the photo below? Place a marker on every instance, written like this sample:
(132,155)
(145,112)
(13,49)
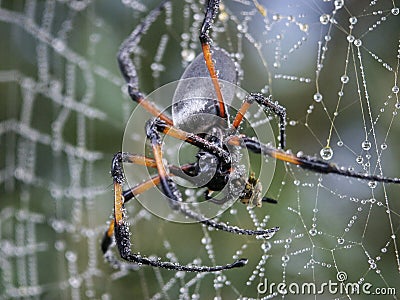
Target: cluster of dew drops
(326,152)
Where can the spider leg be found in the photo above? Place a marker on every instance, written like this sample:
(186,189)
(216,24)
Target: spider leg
(121,229)
(188,137)
(118,176)
(306,162)
(128,69)
(171,191)
(212,7)
(266,102)
(269,200)
(154,180)
(208,196)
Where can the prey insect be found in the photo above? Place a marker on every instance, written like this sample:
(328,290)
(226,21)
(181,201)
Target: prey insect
(200,117)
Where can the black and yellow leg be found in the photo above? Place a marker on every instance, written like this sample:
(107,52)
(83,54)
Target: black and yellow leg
(149,106)
(118,217)
(241,112)
(170,190)
(122,237)
(190,138)
(128,69)
(263,101)
(121,229)
(305,162)
(120,198)
(212,7)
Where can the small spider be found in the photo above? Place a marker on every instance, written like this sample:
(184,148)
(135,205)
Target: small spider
(218,143)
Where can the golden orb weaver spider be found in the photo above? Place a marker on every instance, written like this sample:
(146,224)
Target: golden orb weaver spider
(213,147)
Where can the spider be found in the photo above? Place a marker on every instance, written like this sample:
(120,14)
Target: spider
(216,144)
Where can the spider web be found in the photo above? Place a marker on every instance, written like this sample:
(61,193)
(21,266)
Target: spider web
(334,65)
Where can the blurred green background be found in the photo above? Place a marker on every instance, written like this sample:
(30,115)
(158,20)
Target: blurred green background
(63,114)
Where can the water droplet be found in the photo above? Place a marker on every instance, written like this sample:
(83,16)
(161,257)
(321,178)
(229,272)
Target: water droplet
(28,84)
(338,4)
(324,19)
(384,146)
(71,256)
(317,97)
(266,246)
(303,27)
(59,245)
(340,143)
(340,241)
(75,282)
(395,11)
(359,160)
(344,79)
(313,232)
(223,16)
(285,258)
(205,240)
(395,89)
(350,38)
(242,28)
(326,153)
(366,145)
(357,43)
(58,45)
(188,54)
(372,184)
(353,20)
(373,266)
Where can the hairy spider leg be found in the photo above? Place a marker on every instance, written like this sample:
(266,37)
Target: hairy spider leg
(122,237)
(190,138)
(119,178)
(121,228)
(212,7)
(126,196)
(128,69)
(129,72)
(266,102)
(169,187)
(306,162)
(210,147)
(117,171)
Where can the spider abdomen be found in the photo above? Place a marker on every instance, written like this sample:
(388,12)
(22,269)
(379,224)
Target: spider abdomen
(193,107)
